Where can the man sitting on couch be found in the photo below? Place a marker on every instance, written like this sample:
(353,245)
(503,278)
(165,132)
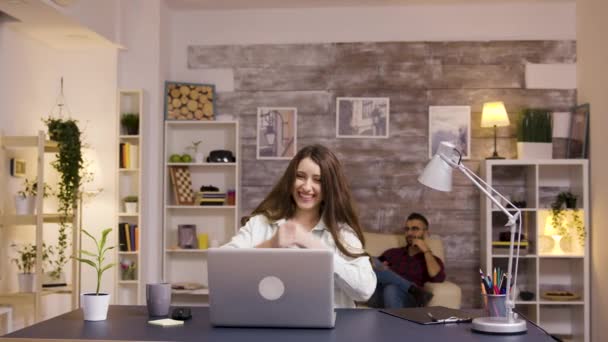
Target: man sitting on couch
(402,272)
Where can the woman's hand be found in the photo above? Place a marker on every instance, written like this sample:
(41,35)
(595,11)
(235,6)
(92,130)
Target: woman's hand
(289,234)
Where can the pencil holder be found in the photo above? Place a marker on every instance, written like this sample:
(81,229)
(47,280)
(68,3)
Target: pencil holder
(495,305)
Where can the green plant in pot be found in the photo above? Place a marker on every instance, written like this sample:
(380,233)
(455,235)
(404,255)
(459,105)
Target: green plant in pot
(25,200)
(130,122)
(95,304)
(569,220)
(26,262)
(70,165)
(534,134)
(131,204)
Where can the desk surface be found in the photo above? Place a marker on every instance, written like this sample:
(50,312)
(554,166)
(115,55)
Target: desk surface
(129,323)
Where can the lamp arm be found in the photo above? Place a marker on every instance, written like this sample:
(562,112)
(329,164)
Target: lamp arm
(484,187)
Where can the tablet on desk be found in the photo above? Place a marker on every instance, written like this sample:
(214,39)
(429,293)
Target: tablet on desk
(431,315)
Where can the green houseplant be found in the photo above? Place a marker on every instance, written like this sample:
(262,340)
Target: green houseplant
(95,304)
(70,165)
(26,261)
(130,121)
(534,134)
(131,204)
(568,220)
(25,200)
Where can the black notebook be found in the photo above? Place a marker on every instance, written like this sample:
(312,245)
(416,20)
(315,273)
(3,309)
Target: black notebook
(431,315)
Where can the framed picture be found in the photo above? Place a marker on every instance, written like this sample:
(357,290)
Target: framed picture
(17,167)
(277,132)
(578,141)
(362,117)
(189,101)
(453,124)
(186,236)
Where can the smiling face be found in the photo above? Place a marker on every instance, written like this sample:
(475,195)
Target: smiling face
(414,229)
(307,187)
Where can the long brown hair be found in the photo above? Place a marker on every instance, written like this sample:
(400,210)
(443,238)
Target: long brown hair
(337,206)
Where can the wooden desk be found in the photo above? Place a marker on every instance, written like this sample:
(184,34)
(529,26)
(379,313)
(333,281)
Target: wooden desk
(128,323)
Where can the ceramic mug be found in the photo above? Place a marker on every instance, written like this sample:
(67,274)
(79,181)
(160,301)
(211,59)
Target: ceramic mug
(158,299)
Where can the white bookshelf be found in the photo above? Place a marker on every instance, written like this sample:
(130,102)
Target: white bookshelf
(34,150)
(129,180)
(219,222)
(551,263)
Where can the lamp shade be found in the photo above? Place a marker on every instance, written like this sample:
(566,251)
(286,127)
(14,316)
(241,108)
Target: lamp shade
(494,114)
(438,173)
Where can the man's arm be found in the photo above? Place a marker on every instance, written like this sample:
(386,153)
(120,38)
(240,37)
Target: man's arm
(433,267)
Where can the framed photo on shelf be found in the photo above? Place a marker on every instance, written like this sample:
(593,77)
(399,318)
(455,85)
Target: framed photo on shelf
(362,117)
(17,167)
(277,132)
(453,124)
(189,101)
(578,141)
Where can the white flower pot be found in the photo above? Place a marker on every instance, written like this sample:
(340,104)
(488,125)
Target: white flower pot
(131,207)
(26,282)
(25,205)
(529,150)
(95,308)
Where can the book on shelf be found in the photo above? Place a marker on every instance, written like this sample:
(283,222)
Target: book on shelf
(128,237)
(128,155)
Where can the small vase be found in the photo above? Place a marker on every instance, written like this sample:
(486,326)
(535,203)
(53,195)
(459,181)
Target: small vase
(131,207)
(25,205)
(199,157)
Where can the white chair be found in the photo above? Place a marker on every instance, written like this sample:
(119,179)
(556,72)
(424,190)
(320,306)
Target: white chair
(446,293)
(8,311)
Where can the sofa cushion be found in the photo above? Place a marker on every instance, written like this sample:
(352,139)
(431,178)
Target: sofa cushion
(377,243)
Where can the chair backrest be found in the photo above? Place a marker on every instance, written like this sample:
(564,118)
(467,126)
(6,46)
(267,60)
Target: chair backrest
(377,243)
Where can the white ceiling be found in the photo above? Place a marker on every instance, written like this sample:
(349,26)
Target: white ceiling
(44,23)
(259,4)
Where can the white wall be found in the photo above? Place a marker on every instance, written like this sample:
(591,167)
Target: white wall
(592,79)
(30,83)
(477,22)
(143,65)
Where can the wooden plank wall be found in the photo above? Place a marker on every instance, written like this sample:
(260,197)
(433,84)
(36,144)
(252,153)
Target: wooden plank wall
(383,172)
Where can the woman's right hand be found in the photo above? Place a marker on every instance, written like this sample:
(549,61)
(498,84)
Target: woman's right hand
(289,234)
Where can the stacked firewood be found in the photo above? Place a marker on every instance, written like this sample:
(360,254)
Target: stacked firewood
(189,102)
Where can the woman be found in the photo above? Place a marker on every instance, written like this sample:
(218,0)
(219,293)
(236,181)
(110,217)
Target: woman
(311,207)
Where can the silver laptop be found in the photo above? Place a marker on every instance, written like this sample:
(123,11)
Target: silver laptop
(274,287)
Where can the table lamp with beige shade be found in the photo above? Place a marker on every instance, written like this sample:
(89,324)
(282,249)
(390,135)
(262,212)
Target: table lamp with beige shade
(494,114)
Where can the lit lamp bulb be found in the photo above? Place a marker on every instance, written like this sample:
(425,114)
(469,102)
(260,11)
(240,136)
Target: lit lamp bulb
(552,231)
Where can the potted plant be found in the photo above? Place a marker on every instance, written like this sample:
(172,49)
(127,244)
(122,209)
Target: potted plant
(131,204)
(70,165)
(130,121)
(534,139)
(568,220)
(25,200)
(95,304)
(199,157)
(26,261)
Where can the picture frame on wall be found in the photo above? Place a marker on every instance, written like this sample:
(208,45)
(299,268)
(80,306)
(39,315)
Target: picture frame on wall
(453,124)
(362,117)
(578,140)
(277,132)
(17,167)
(189,101)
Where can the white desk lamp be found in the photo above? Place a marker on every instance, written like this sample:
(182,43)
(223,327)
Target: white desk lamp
(438,175)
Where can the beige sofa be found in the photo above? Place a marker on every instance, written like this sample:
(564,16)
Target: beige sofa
(446,293)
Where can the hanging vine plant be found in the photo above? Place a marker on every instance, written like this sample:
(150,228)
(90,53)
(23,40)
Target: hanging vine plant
(69,164)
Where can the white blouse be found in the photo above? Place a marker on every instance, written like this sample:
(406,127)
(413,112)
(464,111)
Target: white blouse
(354,279)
